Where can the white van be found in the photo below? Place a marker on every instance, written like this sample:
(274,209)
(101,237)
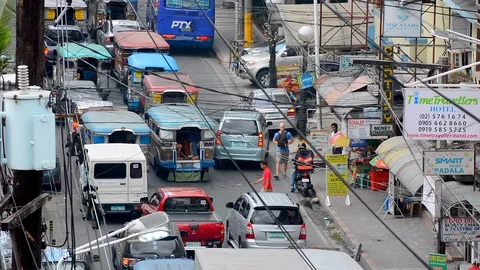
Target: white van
(117,175)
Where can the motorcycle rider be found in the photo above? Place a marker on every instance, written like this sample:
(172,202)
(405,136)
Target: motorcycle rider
(303,162)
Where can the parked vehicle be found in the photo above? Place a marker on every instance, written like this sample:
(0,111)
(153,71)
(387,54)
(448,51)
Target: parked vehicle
(83,95)
(126,254)
(101,11)
(75,15)
(257,100)
(51,180)
(183,23)
(87,61)
(61,33)
(117,174)
(249,225)
(51,256)
(191,209)
(141,64)
(166,89)
(110,27)
(182,146)
(127,43)
(158,264)
(244,134)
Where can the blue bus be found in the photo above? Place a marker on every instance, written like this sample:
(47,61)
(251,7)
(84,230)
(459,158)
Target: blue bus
(183,24)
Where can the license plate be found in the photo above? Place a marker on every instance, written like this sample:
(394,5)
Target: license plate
(305,180)
(185,29)
(194,244)
(239,144)
(277,235)
(118,208)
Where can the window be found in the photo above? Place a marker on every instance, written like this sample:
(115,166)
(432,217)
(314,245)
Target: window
(237,204)
(187,4)
(187,204)
(279,98)
(70,35)
(285,215)
(164,248)
(338,1)
(110,171)
(174,97)
(239,127)
(118,11)
(156,199)
(135,170)
(245,209)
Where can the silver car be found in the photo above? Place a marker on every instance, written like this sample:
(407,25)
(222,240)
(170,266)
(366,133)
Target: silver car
(105,34)
(245,136)
(249,225)
(260,102)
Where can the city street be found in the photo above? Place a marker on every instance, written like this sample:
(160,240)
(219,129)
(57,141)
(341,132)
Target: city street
(224,185)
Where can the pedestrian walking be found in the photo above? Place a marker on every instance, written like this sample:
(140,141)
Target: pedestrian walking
(266,178)
(335,149)
(282,139)
(474,266)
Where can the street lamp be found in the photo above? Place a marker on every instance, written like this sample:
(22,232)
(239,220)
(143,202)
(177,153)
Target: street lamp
(144,229)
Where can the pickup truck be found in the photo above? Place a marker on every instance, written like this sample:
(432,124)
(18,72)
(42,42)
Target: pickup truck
(191,209)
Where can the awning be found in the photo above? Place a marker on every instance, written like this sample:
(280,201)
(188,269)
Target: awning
(464,8)
(347,91)
(396,154)
(453,190)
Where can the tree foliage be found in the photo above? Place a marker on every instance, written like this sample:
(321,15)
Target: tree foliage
(6,18)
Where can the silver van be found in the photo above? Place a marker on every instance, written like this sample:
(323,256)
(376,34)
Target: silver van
(249,225)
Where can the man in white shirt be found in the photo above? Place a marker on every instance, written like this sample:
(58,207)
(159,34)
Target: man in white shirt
(335,149)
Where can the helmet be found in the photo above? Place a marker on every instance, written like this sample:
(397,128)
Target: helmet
(302,146)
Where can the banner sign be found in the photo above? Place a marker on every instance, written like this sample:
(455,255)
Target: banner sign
(402,20)
(319,139)
(429,116)
(437,261)
(335,186)
(387,86)
(449,162)
(360,128)
(460,229)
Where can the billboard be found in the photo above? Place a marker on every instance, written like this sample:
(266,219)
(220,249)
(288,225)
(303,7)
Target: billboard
(360,128)
(287,77)
(402,20)
(459,229)
(429,116)
(449,162)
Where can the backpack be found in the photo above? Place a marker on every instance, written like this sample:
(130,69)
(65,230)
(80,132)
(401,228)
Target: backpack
(282,139)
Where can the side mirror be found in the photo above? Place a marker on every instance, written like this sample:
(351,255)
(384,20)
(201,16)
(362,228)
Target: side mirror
(269,124)
(183,234)
(284,54)
(211,199)
(229,205)
(96,258)
(144,200)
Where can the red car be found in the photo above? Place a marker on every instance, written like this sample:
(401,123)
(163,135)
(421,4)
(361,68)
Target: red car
(191,209)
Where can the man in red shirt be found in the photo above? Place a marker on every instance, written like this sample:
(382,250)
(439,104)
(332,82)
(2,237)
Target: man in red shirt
(474,266)
(266,178)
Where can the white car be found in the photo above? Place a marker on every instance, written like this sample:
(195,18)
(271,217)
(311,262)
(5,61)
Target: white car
(109,28)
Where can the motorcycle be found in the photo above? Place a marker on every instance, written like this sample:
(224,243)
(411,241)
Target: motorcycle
(303,182)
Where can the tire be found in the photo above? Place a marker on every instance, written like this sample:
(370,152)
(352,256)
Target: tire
(240,242)
(263,78)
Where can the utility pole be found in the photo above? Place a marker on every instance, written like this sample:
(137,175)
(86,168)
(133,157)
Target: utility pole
(272,37)
(316,29)
(248,23)
(27,184)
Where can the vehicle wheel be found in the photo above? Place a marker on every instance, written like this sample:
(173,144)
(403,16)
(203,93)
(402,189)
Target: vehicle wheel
(263,77)
(240,242)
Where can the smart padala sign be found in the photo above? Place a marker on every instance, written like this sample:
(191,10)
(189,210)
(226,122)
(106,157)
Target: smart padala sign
(449,162)
(429,116)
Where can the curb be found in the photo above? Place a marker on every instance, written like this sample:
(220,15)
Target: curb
(216,53)
(351,240)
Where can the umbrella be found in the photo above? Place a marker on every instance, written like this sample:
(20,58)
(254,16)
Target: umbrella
(377,162)
(340,140)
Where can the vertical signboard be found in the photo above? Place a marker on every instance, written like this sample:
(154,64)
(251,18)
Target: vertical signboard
(402,20)
(335,186)
(387,86)
(319,139)
(437,261)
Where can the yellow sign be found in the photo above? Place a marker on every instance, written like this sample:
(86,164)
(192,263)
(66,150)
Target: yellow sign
(79,15)
(157,98)
(50,14)
(335,186)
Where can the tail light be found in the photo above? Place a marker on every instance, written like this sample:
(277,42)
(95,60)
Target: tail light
(219,134)
(156,4)
(129,262)
(291,112)
(167,154)
(249,234)
(208,153)
(260,139)
(124,60)
(75,126)
(108,39)
(168,36)
(303,232)
(202,38)
(45,51)
(305,175)
(222,232)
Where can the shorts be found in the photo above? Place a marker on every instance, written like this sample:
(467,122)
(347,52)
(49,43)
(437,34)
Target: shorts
(282,156)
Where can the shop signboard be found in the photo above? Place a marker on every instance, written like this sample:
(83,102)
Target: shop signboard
(360,128)
(287,77)
(449,162)
(381,130)
(306,80)
(402,20)
(319,139)
(459,229)
(429,116)
(335,186)
(437,261)
(387,84)
(346,63)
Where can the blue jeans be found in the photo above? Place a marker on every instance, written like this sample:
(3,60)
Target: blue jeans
(292,180)
(195,149)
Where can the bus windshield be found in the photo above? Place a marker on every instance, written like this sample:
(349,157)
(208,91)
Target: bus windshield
(188,4)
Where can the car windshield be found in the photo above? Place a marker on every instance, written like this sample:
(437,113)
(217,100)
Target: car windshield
(280,46)
(285,215)
(278,98)
(240,127)
(186,204)
(163,249)
(70,36)
(124,27)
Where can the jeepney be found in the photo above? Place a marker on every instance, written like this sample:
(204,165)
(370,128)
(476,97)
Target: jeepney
(166,89)
(127,43)
(75,15)
(86,61)
(182,145)
(100,11)
(139,65)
